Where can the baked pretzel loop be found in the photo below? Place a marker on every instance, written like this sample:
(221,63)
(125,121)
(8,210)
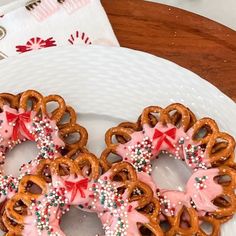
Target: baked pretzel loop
(44,171)
(224,149)
(215,226)
(28,181)
(136,126)
(14,229)
(176,223)
(106,165)
(57,113)
(151,115)
(69,130)
(203,130)
(181,116)
(71,119)
(16,207)
(124,167)
(62,166)
(121,131)
(88,165)
(35,97)
(226,202)
(9,99)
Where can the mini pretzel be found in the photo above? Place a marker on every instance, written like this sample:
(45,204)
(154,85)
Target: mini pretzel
(14,228)
(55,166)
(122,132)
(11,212)
(128,125)
(25,196)
(148,118)
(181,110)
(7,98)
(23,186)
(211,128)
(42,166)
(72,116)
(229,188)
(175,223)
(33,95)
(221,153)
(70,129)
(88,160)
(134,195)
(57,113)
(104,157)
(121,167)
(213,222)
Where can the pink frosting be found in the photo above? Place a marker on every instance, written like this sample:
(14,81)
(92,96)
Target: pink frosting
(128,216)
(45,213)
(8,187)
(202,188)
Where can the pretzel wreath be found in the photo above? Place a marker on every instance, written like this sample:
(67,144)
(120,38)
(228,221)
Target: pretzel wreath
(174,130)
(28,116)
(121,205)
(107,194)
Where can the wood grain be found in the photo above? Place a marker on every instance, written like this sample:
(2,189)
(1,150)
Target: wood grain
(194,42)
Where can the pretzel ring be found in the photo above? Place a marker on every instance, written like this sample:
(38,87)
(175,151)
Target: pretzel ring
(128,194)
(76,189)
(199,143)
(25,117)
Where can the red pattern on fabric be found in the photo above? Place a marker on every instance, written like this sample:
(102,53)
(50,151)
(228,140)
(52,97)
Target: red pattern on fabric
(35,44)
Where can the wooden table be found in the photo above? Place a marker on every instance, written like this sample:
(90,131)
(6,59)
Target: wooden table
(194,42)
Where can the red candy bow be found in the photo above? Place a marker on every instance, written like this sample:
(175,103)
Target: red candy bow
(77,186)
(164,137)
(19,120)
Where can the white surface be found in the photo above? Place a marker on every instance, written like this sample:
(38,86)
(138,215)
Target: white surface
(222,11)
(107,86)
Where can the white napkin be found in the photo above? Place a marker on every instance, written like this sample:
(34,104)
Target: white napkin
(49,23)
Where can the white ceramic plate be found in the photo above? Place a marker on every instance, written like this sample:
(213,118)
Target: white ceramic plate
(107,86)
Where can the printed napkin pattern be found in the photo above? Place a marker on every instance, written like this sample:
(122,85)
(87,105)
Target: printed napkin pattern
(49,23)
